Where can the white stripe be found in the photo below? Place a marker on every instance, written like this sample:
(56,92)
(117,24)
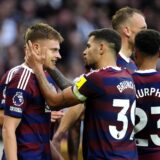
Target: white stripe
(10,74)
(27,81)
(24,79)
(21,79)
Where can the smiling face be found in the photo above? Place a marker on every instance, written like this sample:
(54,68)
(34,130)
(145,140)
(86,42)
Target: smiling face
(91,53)
(46,42)
(52,54)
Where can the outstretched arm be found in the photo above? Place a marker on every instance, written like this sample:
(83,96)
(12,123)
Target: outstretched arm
(59,78)
(1,117)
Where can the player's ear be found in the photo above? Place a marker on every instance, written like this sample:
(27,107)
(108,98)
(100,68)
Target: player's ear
(102,48)
(36,47)
(126,31)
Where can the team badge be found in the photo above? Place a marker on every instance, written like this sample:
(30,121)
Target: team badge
(18,99)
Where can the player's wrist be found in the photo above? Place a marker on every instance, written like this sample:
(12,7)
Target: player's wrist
(38,69)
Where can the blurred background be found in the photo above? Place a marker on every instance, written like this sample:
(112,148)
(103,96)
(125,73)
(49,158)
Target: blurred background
(74,19)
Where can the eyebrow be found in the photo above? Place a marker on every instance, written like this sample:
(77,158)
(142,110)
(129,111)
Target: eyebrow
(56,48)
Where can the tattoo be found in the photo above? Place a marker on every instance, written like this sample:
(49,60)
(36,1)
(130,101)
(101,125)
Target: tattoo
(59,78)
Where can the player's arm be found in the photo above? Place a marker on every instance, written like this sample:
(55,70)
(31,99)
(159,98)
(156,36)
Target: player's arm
(68,120)
(54,153)
(9,137)
(59,78)
(1,117)
(66,98)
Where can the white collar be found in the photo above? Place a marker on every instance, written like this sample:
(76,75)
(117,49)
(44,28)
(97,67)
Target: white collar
(116,68)
(146,71)
(25,66)
(124,57)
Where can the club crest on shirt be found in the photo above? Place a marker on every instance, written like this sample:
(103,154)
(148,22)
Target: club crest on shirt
(18,99)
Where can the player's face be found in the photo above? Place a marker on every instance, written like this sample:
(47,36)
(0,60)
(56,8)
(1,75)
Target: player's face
(91,53)
(52,52)
(136,24)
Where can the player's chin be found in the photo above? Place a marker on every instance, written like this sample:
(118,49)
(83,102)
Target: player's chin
(51,66)
(85,62)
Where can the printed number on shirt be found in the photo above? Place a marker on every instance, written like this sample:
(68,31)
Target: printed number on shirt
(142,124)
(124,104)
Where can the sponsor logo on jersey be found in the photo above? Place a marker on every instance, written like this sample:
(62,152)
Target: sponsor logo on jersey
(18,99)
(80,82)
(15,109)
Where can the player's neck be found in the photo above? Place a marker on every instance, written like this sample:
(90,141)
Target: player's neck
(106,62)
(147,64)
(126,52)
(26,64)
(126,48)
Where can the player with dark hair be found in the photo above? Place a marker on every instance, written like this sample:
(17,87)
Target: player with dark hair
(109,95)
(128,22)
(147,82)
(26,126)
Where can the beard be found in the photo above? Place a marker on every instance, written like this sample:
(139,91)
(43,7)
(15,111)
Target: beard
(89,67)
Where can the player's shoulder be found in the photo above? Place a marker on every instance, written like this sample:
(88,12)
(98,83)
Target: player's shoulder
(6,78)
(105,71)
(128,71)
(101,71)
(21,76)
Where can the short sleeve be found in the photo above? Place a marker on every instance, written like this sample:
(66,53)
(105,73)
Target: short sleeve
(85,86)
(16,99)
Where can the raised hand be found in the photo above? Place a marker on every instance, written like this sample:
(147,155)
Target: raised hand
(34,57)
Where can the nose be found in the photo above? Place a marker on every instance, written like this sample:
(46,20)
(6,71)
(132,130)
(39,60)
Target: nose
(84,52)
(58,55)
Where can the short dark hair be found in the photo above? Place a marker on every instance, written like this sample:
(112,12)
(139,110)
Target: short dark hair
(123,15)
(148,42)
(110,36)
(41,31)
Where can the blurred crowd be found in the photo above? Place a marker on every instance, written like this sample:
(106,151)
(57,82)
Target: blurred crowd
(74,19)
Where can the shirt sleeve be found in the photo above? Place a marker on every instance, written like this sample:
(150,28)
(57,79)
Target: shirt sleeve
(16,98)
(86,86)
